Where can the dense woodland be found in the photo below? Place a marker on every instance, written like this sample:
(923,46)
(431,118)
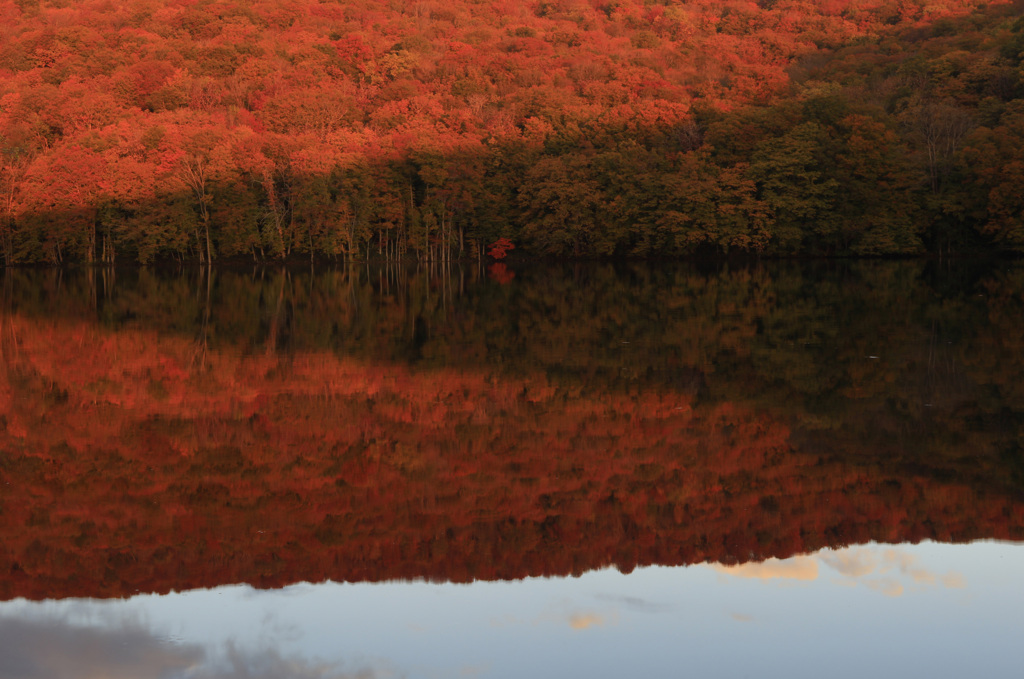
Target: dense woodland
(169,432)
(203,130)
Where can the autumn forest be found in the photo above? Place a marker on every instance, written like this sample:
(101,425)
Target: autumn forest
(198,130)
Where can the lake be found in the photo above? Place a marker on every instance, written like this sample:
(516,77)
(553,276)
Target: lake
(662,470)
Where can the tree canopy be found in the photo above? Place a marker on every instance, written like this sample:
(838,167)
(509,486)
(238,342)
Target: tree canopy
(177,129)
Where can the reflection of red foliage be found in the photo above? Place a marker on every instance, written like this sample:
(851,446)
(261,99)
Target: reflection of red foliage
(499,248)
(130,463)
(500,273)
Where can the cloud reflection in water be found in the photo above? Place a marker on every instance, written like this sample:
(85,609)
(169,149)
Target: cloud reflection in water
(888,571)
(47,646)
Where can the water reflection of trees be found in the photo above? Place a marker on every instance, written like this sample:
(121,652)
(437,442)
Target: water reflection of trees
(372,424)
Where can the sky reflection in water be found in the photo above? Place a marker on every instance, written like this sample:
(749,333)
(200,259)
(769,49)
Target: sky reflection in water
(920,610)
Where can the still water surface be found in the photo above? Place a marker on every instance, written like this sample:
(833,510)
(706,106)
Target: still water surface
(860,611)
(563,471)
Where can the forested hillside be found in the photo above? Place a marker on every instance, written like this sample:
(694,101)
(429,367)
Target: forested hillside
(147,129)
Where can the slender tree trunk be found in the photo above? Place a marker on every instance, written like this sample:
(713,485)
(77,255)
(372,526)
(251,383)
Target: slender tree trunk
(206,229)
(90,253)
(7,224)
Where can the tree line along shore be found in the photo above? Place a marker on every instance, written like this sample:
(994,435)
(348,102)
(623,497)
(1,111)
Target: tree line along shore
(162,130)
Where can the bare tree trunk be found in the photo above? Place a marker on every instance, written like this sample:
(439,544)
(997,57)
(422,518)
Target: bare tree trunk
(194,173)
(275,209)
(206,228)
(11,175)
(941,127)
(199,248)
